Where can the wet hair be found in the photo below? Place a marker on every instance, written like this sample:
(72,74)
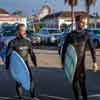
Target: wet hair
(79,17)
(19,25)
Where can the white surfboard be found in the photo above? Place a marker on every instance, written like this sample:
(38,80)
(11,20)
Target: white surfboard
(19,70)
(70,62)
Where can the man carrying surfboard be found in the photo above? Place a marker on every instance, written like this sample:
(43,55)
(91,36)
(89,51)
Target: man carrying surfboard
(79,39)
(23,47)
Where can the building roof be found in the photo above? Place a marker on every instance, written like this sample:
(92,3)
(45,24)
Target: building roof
(3,11)
(64,14)
(11,16)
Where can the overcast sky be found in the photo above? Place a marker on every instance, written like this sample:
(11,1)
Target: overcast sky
(27,6)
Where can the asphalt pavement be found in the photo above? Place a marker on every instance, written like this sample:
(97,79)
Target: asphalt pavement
(50,80)
(50,84)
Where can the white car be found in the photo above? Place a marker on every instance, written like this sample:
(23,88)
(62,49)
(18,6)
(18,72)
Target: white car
(49,35)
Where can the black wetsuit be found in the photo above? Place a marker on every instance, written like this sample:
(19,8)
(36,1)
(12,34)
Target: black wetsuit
(80,40)
(23,47)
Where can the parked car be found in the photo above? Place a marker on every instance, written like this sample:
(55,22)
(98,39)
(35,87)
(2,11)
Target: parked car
(95,34)
(33,38)
(1,42)
(7,36)
(48,36)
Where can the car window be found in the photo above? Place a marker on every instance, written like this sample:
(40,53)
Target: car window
(54,31)
(44,31)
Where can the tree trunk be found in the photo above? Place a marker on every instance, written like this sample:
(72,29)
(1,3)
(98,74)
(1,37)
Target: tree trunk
(88,12)
(72,15)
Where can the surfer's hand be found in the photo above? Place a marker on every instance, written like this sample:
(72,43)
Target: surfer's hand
(95,67)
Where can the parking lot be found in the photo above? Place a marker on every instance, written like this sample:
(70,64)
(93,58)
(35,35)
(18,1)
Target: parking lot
(51,59)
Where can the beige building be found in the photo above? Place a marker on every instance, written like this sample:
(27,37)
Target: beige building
(6,17)
(94,22)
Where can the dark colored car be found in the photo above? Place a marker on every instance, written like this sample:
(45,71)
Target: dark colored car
(95,34)
(7,36)
(2,48)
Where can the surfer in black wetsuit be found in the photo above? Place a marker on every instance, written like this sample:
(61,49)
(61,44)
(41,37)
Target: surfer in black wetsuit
(80,39)
(23,47)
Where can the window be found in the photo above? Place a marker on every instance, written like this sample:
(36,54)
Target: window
(98,25)
(54,31)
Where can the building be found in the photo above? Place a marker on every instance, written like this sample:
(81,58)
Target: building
(94,22)
(44,11)
(7,18)
(60,19)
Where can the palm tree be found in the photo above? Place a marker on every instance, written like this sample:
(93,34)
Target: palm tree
(17,12)
(88,4)
(72,3)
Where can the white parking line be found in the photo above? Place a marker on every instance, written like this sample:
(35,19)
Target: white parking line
(62,98)
(55,97)
(94,95)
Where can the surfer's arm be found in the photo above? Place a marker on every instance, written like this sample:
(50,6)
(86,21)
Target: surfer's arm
(93,53)
(32,55)
(92,49)
(8,53)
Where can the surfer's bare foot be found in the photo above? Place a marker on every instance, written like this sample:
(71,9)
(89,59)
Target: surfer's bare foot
(35,98)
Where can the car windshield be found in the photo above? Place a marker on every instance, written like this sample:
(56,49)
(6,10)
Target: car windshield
(54,31)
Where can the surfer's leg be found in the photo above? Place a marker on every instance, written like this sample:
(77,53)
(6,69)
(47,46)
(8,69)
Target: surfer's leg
(19,90)
(75,89)
(32,87)
(32,90)
(83,86)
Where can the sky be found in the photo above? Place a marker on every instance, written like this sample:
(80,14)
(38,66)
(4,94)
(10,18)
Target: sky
(29,6)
